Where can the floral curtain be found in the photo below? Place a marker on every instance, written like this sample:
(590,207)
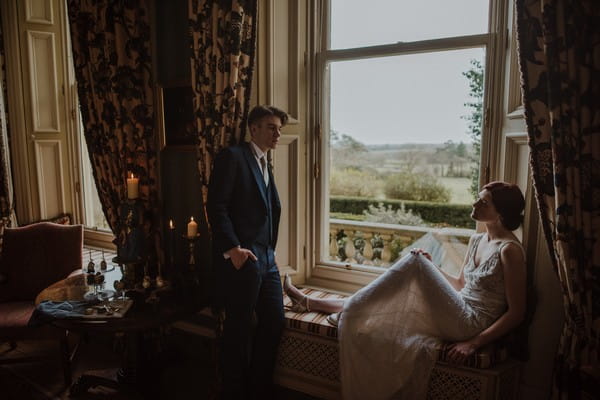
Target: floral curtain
(112,58)
(7,212)
(223,34)
(559,50)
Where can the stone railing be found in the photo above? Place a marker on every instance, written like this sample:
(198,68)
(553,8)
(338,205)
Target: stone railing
(370,243)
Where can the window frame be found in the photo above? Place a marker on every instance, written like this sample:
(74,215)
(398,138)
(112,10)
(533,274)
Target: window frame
(339,275)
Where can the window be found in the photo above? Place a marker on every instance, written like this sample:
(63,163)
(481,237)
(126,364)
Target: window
(92,208)
(400,151)
(90,213)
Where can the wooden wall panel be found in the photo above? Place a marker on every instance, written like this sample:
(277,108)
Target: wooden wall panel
(285,169)
(39,12)
(50,178)
(42,75)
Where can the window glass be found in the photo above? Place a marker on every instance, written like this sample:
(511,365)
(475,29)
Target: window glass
(94,216)
(358,23)
(404,134)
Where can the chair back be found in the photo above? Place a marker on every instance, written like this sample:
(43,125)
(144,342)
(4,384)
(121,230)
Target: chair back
(37,255)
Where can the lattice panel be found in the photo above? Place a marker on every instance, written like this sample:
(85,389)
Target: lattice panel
(447,385)
(310,357)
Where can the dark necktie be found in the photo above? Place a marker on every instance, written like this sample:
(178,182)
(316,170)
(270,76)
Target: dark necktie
(264,170)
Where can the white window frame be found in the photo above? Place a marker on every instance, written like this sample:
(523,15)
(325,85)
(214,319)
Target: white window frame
(339,275)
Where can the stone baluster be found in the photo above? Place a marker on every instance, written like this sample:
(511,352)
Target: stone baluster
(349,248)
(386,253)
(333,246)
(368,249)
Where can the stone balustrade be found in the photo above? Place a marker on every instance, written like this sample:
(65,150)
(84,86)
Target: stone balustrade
(377,244)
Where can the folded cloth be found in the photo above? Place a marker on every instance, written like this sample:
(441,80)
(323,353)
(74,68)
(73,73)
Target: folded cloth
(47,311)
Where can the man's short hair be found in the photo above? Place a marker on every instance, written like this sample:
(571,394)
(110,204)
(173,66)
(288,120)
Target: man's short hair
(259,112)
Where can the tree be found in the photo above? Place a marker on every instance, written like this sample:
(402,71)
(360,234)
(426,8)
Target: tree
(475,77)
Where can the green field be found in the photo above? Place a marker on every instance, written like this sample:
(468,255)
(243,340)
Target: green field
(459,189)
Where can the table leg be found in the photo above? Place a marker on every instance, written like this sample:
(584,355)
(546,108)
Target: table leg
(127,377)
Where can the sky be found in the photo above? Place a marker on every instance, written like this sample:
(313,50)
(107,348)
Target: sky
(415,98)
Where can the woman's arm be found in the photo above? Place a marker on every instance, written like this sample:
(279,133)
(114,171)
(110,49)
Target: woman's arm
(457,282)
(515,275)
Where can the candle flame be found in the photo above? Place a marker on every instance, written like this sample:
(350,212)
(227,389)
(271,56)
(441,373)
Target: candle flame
(131,175)
(191,218)
(171,224)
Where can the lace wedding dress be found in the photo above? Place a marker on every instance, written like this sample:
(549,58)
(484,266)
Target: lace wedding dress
(390,329)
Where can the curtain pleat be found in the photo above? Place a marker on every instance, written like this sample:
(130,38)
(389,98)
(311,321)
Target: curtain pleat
(112,58)
(223,42)
(559,48)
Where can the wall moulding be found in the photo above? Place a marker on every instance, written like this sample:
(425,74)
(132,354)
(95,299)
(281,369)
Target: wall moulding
(39,12)
(283,56)
(51,185)
(43,78)
(285,161)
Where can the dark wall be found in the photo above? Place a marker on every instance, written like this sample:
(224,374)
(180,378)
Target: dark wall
(182,198)
(172,43)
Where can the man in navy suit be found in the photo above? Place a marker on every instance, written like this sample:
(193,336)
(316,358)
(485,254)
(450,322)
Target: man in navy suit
(243,210)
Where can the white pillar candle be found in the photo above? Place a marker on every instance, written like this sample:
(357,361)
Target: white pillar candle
(132,187)
(192,228)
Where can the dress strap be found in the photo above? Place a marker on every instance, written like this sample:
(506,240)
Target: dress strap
(512,241)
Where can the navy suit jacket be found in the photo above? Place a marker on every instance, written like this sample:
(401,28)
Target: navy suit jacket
(239,201)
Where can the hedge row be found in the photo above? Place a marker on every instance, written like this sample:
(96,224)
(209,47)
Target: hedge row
(455,215)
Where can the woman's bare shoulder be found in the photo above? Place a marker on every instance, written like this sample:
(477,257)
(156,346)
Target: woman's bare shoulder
(512,252)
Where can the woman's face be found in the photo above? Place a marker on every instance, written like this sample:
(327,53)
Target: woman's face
(483,208)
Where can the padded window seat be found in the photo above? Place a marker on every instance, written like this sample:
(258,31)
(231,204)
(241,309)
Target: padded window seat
(308,362)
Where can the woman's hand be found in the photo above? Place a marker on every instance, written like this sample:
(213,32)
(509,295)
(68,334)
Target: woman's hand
(421,251)
(460,351)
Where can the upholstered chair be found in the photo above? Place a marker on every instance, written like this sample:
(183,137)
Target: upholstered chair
(34,257)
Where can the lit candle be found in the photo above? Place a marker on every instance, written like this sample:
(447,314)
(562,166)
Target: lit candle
(192,228)
(132,187)
(171,244)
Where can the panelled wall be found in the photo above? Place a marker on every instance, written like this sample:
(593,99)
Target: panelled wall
(39,109)
(281,79)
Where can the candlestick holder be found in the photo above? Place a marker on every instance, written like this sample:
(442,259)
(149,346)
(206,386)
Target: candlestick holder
(171,248)
(191,246)
(131,244)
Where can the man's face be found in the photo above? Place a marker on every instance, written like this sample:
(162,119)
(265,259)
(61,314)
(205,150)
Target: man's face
(266,132)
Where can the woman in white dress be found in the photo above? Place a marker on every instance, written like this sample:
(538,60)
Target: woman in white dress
(390,329)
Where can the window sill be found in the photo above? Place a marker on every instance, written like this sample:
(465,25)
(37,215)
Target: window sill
(337,278)
(99,239)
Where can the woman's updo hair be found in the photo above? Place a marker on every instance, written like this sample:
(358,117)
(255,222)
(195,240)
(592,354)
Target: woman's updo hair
(509,202)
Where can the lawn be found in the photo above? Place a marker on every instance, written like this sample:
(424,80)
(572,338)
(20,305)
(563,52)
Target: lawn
(459,189)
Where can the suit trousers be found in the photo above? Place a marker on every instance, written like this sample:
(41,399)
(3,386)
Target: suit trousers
(254,320)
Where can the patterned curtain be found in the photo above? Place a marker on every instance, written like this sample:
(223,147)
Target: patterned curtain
(111,52)
(223,34)
(7,211)
(559,48)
